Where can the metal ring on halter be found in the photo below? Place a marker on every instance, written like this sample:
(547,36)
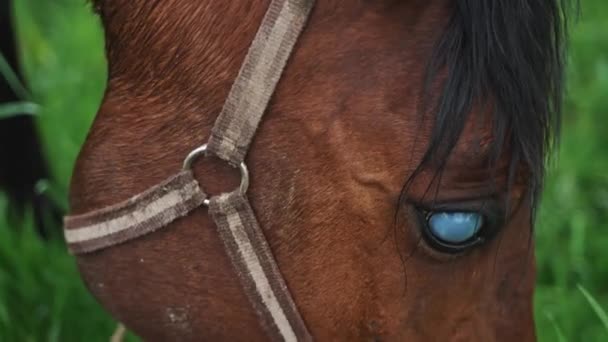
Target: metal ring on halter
(202,150)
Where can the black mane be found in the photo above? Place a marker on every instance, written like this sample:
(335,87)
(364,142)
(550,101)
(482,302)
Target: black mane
(507,54)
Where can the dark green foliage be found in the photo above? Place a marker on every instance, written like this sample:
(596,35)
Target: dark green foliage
(572,230)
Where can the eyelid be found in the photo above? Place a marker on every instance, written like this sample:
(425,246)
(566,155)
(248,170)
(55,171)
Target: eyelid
(491,207)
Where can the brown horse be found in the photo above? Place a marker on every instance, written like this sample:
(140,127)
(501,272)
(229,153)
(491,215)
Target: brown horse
(395,173)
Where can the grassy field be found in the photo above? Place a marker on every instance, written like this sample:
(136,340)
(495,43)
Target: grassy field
(42,298)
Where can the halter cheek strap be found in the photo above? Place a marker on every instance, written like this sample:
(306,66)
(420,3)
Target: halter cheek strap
(236,223)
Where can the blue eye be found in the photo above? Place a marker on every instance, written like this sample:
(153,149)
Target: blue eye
(454,227)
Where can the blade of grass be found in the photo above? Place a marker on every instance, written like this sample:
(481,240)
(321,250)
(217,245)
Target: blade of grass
(601,313)
(55,193)
(558,331)
(13,80)
(11,109)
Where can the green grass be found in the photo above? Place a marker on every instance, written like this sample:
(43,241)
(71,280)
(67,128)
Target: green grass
(43,299)
(61,44)
(572,230)
(41,296)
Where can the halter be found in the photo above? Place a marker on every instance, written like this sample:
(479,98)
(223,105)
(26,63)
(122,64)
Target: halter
(236,223)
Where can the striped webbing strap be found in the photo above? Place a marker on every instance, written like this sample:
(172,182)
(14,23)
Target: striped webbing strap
(232,213)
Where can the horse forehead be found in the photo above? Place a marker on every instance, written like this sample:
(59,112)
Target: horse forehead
(352,80)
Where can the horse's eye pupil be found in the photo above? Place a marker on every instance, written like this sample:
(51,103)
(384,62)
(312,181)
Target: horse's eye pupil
(454,227)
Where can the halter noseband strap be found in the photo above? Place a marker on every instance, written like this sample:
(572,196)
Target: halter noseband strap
(231,137)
